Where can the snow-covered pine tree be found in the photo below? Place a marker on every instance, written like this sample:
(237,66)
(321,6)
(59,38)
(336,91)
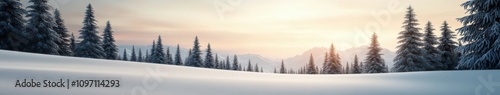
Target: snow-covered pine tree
(249,67)
(311,67)
(146,57)
(356,68)
(12,34)
(433,55)
(195,58)
(347,69)
(169,59)
(90,46)
(72,44)
(334,62)
(216,62)
(282,68)
(326,66)
(209,58)
(139,57)
(133,57)
(374,61)
(108,43)
(481,35)
(158,56)
(409,56)
(228,64)
(256,69)
(178,60)
(40,29)
(235,66)
(124,56)
(188,58)
(150,55)
(61,30)
(449,55)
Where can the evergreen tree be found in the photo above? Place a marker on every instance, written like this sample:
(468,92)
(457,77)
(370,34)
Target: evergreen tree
(311,67)
(169,59)
(109,46)
(282,68)
(449,57)
(133,57)
(147,56)
(178,60)
(12,34)
(481,33)
(90,46)
(235,64)
(216,62)
(326,66)
(195,58)
(356,68)
(228,64)
(209,59)
(409,56)
(40,29)
(249,67)
(72,44)
(158,56)
(187,63)
(333,62)
(362,66)
(374,61)
(124,56)
(139,57)
(432,54)
(150,55)
(347,68)
(64,41)
(256,69)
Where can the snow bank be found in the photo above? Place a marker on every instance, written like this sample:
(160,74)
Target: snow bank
(156,79)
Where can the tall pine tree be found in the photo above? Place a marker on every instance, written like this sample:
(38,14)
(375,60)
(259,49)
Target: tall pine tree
(433,55)
(90,46)
(178,60)
(249,67)
(133,57)
(12,34)
(109,46)
(158,56)
(64,41)
(333,62)
(140,57)
(209,59)
(169,59)
(409,56)
(449,57)
(374,61)
(195,57)
(124,56)
(40,29)
(236,65)
(311,67)
(356,67)
(282,68)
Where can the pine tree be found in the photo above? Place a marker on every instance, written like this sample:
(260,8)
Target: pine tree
(40,29)
(178,60)
(409,56)
(249,67)
(333,62)
(139,57)
(90,46)
(236,64)
(256,69)
(124,56)
(169,59)
(108,43)
(481,33)
(158,56)
(449,55)
(147,57)
(311,67)
(216,62)
(347,68)
(61,30)
(228,64)
(12,34)
(432,54)
(326,66)
(362,66)
(209,59)
(133,57)
(72,44)
(374,61)
(282,68)
(356,68)
(195,58)
(150,55)
(187,63)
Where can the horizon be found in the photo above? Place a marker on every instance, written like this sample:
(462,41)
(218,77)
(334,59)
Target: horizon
(276,29)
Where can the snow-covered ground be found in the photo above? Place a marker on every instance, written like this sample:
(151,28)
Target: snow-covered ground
(155,79)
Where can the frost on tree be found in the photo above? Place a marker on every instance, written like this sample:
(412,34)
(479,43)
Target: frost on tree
(109,46)
(178,59)
(333,62)
(374,61)
(481,35)
(409,56)
(157,55)
(433,55)
(195,57)
(326,66)
(209,58)
(64,40)
(90,46)
(12,35)
(40,29)
(449,55)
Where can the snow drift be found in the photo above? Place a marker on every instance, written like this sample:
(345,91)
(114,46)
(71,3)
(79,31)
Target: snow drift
(157,79)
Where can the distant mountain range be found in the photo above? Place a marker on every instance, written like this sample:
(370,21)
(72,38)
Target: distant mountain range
(269,64)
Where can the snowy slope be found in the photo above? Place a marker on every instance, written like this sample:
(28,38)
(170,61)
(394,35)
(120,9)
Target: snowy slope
(155,79)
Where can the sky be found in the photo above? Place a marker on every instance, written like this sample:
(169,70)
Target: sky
(271,28)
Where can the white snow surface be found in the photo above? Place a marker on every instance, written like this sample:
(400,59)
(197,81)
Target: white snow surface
(158,79)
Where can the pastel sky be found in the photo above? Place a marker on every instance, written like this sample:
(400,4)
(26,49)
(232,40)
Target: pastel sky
(272,28)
